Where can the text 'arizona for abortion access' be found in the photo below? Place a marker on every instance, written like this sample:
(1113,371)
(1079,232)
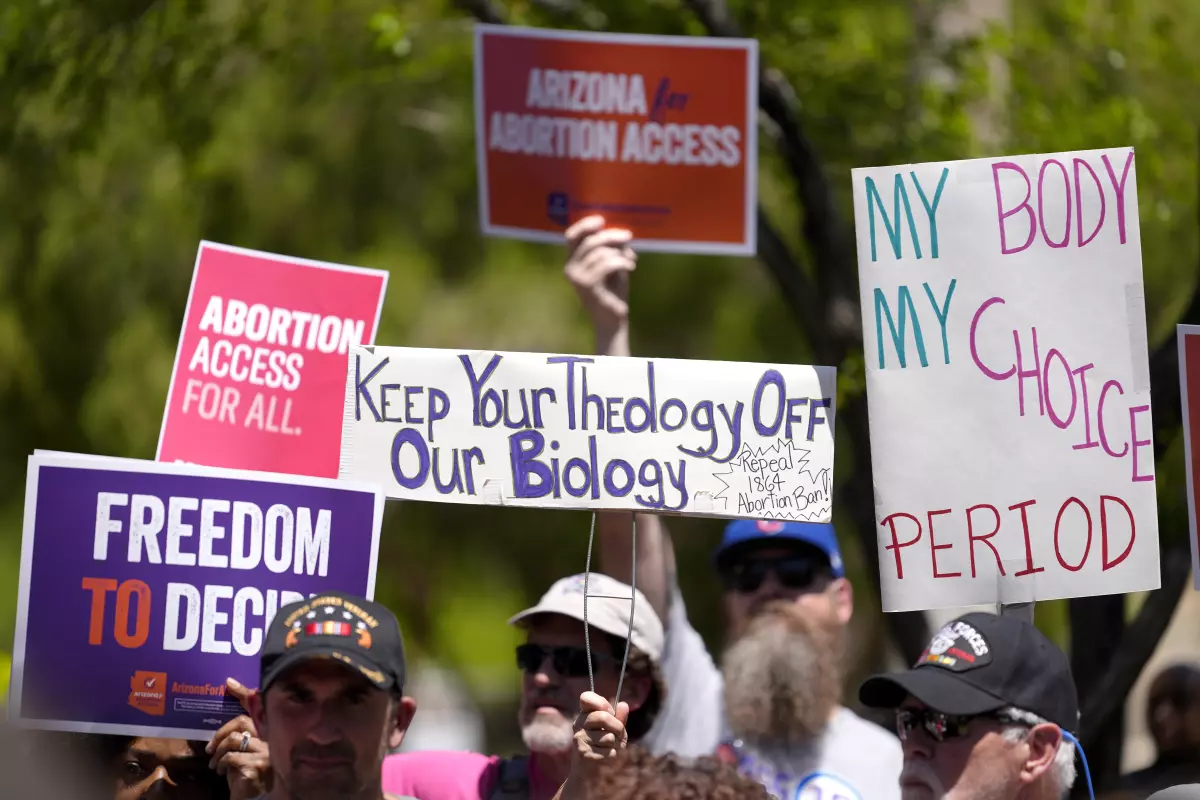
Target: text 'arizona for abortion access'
(656,133)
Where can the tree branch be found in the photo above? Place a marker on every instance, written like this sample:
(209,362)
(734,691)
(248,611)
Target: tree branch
(1137,645)
(797,290)
(838,328)
(823,227)
(482,10)
(1143,634)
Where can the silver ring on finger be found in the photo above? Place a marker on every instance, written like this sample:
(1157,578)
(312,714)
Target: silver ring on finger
(245,741)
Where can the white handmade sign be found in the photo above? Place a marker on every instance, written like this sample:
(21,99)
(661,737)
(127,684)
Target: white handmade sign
(553,431)
(1007,378)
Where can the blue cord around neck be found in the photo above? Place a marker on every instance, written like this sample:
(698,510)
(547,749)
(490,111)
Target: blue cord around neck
(1087,773)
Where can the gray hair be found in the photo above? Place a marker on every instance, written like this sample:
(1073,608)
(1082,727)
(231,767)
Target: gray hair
(1063,770)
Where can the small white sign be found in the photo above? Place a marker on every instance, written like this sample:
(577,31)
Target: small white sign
(557,431)
(1007,378)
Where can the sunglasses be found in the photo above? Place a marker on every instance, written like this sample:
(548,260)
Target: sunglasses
(939,726)
(568,661)
(792,572)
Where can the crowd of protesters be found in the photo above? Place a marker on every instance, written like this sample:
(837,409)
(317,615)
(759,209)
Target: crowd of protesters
(988,712)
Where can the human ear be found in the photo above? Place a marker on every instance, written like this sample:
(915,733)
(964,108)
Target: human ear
(402,717)
(1043,742)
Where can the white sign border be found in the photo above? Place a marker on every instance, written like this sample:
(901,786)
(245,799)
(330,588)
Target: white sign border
(747,247)
(242,251)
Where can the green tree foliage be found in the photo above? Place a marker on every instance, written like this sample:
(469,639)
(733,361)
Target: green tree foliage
(343,131)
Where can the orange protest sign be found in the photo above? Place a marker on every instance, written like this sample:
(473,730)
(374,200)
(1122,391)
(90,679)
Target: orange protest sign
(656,133)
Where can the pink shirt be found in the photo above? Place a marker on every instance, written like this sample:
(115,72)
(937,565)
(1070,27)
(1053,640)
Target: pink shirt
(444,775)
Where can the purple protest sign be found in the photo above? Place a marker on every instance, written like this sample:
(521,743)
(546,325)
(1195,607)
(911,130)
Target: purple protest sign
(144,585)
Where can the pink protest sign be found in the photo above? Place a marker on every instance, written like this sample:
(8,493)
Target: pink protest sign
(261,367)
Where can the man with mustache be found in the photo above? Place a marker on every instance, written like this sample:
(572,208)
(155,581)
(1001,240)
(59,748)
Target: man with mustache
(330,702)
(554,662)
(985,713)
(773,706)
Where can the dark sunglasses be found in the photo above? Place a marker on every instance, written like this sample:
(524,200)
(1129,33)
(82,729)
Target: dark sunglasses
(792,572)
(939,726)
(568,661)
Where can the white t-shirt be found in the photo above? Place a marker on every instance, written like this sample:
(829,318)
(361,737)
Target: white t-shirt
(853,760)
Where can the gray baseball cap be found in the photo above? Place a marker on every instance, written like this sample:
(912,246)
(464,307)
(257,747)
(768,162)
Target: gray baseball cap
(607,610)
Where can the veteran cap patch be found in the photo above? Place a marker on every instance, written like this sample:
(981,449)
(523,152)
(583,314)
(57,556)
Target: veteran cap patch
(980,663)
(958,646)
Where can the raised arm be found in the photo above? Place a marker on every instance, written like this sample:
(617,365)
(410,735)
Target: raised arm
(599,263)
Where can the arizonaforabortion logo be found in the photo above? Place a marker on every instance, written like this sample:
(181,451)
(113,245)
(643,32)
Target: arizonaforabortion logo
(148,692)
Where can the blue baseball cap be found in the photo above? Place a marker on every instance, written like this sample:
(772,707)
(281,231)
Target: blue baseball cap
(742,534)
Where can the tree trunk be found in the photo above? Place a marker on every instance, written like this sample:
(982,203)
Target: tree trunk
(1097,625)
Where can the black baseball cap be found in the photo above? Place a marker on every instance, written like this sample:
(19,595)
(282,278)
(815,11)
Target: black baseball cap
(980,663)
(359,633)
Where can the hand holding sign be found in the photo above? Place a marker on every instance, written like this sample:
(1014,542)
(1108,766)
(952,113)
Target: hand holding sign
(599,729)
(599,735)
(599,261)
(238,754)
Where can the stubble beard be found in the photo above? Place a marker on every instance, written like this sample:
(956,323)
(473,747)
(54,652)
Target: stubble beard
(333,786)
(552,736)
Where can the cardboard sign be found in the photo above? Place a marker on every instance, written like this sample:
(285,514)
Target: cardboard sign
(656,133)
(546,431)
(161,579)
(1189,388)
(258,375)
(1007,377)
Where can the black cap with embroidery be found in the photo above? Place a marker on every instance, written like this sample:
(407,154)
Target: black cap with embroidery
(359,633)
(980,663)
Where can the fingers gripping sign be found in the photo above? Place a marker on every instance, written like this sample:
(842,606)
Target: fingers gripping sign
(599,261)
(238,754)
(599,729)
(599,735)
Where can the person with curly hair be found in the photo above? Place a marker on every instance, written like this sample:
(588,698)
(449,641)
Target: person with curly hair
(604,767)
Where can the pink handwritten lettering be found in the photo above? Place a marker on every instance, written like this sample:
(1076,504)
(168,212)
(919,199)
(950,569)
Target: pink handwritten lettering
(1053,379)
(1008,178)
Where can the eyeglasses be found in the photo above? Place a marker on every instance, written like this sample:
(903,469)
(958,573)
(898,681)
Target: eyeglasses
(793,572)
(568,661)
(939,726)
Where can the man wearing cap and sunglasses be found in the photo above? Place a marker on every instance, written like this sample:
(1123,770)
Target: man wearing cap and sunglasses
(773,706)
(986,713)
(554,662)
(330,701)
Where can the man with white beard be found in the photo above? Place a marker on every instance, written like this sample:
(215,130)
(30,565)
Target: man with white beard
(554,662)
(985,714)
(773,706)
